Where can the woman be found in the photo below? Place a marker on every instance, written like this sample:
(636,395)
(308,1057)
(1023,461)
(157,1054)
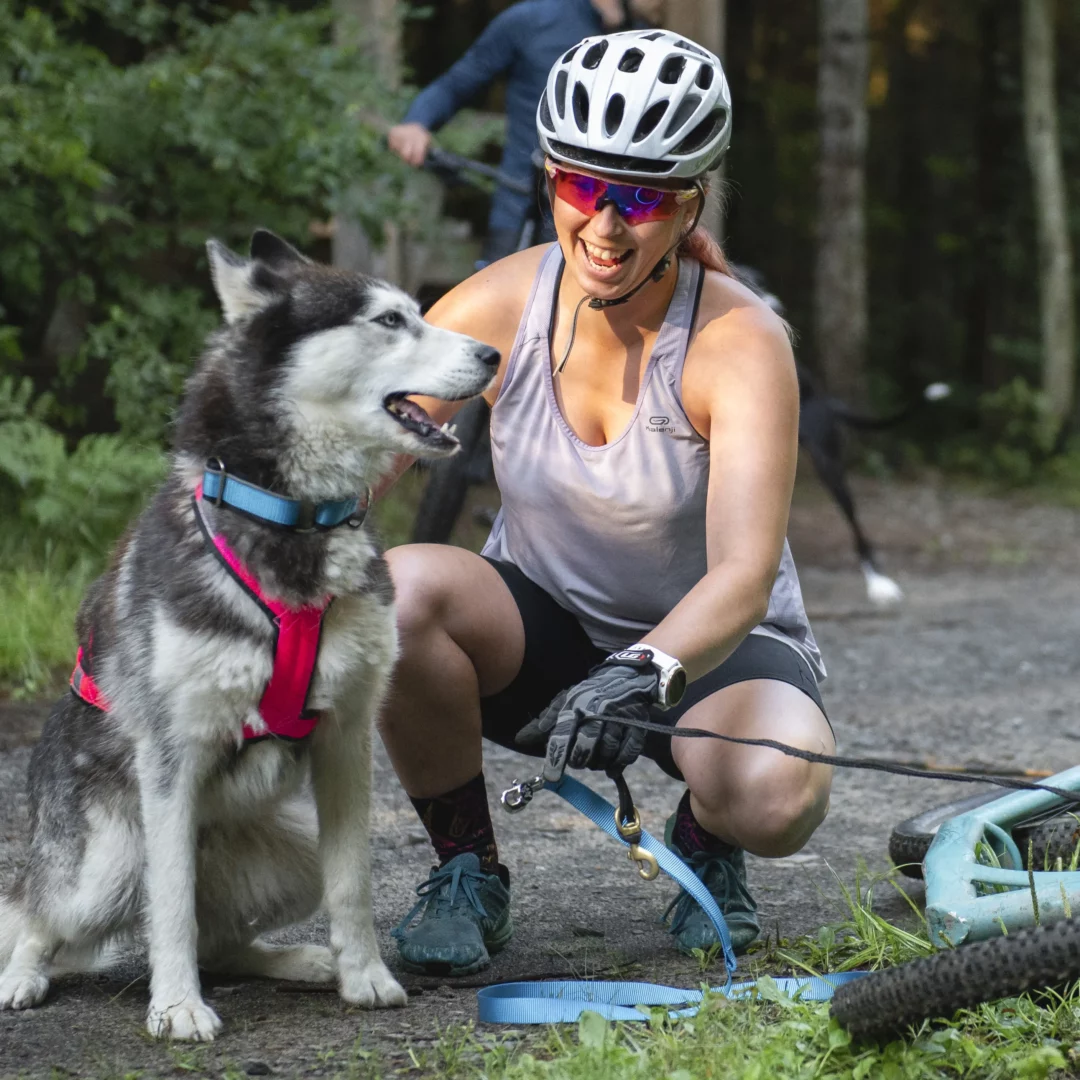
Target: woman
(644,435)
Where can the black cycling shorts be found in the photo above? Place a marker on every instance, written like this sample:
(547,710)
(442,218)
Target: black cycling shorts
(558,654)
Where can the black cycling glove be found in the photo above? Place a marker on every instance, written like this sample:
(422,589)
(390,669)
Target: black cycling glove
(581,725)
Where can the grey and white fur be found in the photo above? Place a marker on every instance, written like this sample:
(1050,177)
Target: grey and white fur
(155,817)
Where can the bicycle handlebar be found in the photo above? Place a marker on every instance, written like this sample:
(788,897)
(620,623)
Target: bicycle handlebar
(447,161)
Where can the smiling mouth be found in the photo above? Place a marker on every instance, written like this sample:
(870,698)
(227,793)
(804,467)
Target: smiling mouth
(604,258)
(415,420)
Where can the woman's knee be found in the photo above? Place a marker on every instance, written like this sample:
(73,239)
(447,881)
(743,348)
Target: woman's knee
(420,592)
(770,811)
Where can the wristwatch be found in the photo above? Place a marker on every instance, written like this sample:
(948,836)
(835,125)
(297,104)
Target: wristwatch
(672,673)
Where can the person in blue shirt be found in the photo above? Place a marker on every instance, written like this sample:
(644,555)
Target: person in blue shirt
(522,43)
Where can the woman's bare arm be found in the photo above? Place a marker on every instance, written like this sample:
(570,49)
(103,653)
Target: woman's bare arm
(740,390)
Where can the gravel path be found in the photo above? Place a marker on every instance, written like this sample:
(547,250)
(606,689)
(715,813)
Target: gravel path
(978,664)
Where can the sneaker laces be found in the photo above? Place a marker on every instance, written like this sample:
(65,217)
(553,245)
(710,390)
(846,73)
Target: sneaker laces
(684,906)
(440,893)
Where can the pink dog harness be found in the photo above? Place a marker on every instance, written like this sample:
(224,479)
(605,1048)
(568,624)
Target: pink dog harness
(296,648)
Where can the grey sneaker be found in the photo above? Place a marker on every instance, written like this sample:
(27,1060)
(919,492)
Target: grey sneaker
(465,918)
(725,878)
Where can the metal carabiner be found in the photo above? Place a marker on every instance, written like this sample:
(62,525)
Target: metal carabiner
(520,793)
(647,867)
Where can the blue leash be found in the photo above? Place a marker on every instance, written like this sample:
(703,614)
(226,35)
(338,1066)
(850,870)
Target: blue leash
(561,1002)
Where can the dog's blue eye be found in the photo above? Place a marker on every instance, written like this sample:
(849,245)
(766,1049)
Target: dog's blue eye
(390,319)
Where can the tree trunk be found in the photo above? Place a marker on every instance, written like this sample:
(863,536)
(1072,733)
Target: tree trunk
(375,27)
(704,21)
(1052,221)
(840,273)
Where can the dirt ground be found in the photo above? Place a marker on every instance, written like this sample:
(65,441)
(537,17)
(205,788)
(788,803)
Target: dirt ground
(978,664)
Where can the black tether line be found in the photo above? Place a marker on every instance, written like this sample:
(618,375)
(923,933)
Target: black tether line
(849,762)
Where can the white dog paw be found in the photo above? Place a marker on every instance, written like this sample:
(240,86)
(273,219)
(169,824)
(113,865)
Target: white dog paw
(305,963)
(881,590)
(191,1020)
(372,987)
(22,991)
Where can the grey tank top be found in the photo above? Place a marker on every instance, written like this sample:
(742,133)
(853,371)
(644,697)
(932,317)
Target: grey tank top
(614,533)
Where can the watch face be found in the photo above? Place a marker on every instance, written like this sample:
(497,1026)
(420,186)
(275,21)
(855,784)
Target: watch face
(676,687)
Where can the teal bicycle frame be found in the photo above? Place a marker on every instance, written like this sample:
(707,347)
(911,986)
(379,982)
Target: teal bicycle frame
(967,900)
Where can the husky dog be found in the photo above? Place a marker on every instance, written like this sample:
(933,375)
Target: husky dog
(160,807)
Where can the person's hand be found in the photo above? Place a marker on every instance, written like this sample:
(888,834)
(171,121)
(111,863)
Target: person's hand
(410,142)
(651,11)
(581,725)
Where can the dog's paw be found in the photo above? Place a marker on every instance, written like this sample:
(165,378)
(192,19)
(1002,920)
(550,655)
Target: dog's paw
(22,991)
(372,987)
(191,1020)
(881,590)
(303,963)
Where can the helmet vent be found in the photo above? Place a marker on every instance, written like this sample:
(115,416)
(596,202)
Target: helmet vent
(545,113)
(653,36)
(569,54)
(671,69)
(613,114)
(687,108)
(631,60)
(581,107)
(691,47)
(704,77)
(592,58)
(653,115)
(703,133)
(560,94)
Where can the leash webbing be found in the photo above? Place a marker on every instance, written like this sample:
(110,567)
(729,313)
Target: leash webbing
(563,1001)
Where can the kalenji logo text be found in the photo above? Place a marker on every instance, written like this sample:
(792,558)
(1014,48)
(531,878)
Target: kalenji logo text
(661,424)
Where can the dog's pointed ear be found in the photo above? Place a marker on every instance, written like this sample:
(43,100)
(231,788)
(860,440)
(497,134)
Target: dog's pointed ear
(243,287)
(269,248)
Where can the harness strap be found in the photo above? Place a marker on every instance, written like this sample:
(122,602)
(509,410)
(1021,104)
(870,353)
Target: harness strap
(83,685)
(297,631)
(557,1002)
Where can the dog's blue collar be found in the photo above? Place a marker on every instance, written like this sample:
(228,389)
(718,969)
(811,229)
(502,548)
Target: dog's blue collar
(223,489)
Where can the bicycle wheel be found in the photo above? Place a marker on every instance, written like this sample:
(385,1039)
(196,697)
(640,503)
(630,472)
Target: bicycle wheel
(885,1002)
(448,479)
(1050,839)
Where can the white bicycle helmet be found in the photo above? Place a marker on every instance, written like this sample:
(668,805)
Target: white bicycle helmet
(644,104)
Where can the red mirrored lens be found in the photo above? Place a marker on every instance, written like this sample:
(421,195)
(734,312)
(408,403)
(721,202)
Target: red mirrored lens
(635,205)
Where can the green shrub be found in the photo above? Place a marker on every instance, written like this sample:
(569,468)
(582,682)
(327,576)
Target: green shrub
(112,176)
(60,505)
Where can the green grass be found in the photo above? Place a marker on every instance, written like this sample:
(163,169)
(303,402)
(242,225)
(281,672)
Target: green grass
(37,635)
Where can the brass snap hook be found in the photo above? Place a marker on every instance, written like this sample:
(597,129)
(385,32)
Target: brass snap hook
(647,867)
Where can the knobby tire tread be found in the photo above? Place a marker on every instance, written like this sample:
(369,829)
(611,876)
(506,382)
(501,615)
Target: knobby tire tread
(885,1002)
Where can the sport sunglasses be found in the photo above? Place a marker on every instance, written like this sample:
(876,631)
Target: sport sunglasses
(635,205)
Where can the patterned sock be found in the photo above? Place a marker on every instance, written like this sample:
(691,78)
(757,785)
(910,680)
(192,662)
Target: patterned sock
(460,821)
(690,837)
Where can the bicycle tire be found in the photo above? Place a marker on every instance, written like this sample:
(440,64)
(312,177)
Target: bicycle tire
(909,842)
(885,1002)
(448,480)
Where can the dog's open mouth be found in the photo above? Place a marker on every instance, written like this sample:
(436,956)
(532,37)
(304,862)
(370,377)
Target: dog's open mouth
(413,418)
